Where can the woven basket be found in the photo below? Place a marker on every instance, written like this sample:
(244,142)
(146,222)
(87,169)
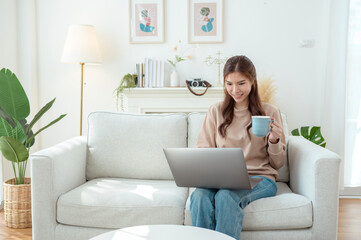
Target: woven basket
(17,204)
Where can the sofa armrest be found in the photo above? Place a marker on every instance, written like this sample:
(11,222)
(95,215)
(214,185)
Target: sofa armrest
(54,171)
(314,173)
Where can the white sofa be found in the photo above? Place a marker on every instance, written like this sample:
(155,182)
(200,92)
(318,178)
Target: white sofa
(118,177)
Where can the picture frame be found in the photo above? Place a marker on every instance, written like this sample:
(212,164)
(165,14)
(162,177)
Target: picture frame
(146,23)
(205,21)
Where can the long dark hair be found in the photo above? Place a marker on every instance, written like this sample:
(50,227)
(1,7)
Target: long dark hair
(244,65)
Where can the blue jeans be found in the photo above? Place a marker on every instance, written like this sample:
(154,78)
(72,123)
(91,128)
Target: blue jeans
(222,209)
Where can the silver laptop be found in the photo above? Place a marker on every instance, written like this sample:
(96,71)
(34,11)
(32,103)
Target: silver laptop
(209,168)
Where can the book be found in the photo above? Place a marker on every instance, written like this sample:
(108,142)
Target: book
(150,73)
(146,70)
(141,75)
(138,72)
(162,74)
(158,73)
(154,71)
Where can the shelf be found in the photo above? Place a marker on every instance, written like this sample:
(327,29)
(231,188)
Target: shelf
(135,92)
(170,99)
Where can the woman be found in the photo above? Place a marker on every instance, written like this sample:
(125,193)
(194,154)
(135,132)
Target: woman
(228,124)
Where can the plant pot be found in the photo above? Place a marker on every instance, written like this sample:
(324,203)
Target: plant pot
(17,204)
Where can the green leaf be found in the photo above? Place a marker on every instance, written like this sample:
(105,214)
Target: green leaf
(13,150)
(295,132)
(178,58)
(314,130)
(171,62)
(25,126)
(314,136)
(13,99)
(39,115)
(5,128)
(128,81)
(40,130)
(17,132)
(7,117)
(304,132)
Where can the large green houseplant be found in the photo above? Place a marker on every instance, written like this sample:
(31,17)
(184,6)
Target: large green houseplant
(16,139)
(16,135)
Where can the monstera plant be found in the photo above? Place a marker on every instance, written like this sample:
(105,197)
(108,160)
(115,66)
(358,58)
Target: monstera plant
(314,135)
(16,133)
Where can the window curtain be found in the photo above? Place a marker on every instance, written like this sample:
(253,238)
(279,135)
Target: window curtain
(333,108)
(23,63)
(353,98)
(8,56)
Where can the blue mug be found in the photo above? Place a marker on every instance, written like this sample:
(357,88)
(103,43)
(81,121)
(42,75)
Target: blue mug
(260,125)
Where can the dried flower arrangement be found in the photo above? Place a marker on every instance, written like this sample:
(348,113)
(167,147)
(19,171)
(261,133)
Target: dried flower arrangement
(180,54)
(267,89)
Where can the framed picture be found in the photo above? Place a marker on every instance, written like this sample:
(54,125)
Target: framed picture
(146,23)
(205,21)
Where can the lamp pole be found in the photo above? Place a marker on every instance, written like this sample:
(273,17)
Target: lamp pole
(81,100)
(81,46)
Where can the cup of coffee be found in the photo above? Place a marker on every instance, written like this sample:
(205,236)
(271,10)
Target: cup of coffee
(260,125)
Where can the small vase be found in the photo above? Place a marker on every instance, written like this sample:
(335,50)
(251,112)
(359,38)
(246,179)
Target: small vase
(174,79)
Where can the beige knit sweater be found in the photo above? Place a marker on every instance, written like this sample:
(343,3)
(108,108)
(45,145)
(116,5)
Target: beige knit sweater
(262,157)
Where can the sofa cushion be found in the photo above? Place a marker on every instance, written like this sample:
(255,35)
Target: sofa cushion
(118,203)
(195,121)
(286,210)
(131,145)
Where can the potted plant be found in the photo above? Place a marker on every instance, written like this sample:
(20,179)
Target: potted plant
(312,134)
(128,81)
(16,139)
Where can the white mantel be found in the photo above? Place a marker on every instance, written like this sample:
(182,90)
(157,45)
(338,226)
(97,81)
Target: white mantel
(170,100)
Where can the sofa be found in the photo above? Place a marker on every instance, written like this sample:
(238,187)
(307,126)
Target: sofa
(118,177)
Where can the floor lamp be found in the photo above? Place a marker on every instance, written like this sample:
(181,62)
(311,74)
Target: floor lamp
(81,46)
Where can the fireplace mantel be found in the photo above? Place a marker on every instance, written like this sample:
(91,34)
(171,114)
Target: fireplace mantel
(170,100)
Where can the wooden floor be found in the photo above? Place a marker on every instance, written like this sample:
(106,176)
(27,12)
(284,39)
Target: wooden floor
(11,233)
(349,223)
(349,219)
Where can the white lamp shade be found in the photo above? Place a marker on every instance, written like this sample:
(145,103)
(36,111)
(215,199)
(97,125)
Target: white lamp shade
(81,45)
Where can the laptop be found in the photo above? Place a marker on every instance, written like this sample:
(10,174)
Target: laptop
(209,168)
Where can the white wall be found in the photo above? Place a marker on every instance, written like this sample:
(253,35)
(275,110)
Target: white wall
(8,59)
(267,31)
(8,40)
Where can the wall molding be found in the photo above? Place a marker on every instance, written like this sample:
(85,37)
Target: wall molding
(169,100)
(351,191)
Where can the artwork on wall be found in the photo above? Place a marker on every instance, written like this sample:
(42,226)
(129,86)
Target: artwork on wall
(146,21)
(205,21)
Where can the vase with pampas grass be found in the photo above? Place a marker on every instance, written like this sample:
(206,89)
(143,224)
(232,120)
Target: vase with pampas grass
(267,89)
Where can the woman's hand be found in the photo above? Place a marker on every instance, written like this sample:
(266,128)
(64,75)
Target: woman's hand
(276,132)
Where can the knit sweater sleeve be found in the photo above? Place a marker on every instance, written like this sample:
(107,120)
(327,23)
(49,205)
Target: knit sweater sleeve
(207,134)
(277,152)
